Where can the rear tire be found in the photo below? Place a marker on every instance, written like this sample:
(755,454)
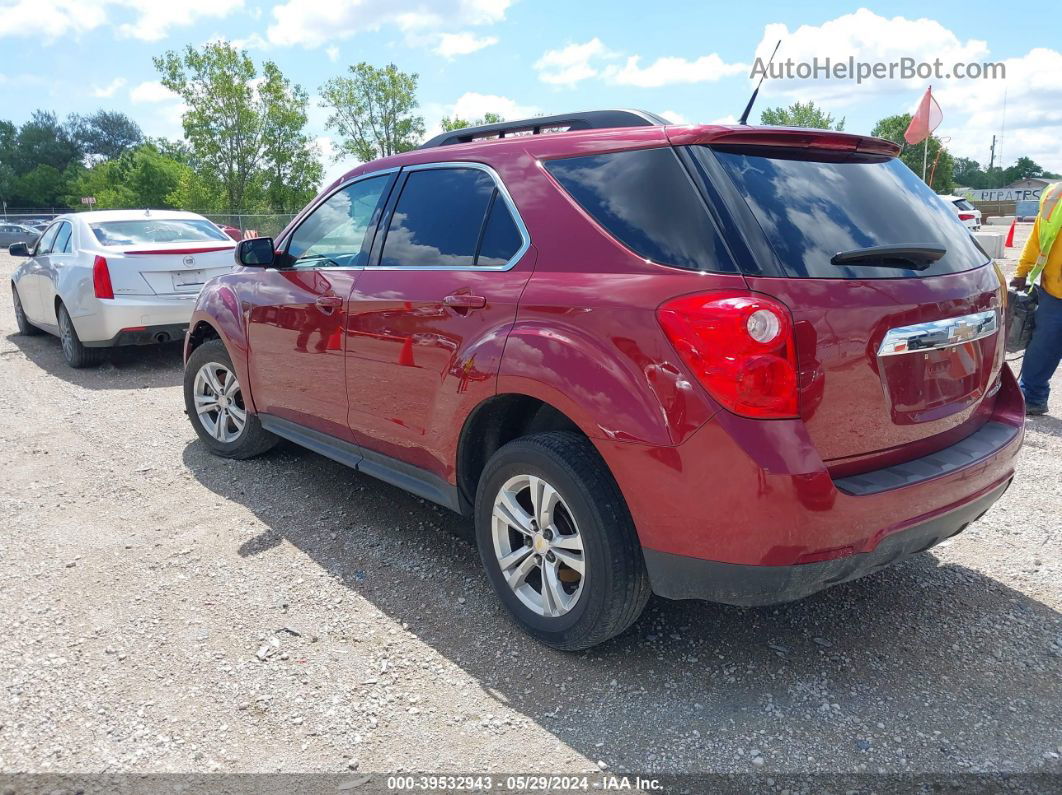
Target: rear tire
(213,400)
(76,354)
(25,328)
(587,524)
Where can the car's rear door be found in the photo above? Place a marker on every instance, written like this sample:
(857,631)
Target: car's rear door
(429,318)
(297,315)
(896,356)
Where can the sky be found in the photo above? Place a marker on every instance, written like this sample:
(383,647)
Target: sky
(689,61)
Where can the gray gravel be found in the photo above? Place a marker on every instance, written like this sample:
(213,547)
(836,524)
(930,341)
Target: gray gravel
(164,610)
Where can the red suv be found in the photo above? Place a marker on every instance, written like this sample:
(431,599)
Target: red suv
(730,363)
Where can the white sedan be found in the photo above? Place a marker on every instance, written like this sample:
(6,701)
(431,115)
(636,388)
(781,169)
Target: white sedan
(968,214)
(101,279)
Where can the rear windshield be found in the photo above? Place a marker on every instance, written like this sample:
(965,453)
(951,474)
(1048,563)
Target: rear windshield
(962,204)
(169,230)
(811,210)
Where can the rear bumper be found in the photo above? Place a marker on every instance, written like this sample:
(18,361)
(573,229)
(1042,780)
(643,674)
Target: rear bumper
(107,322)
(679,577)
(742,495)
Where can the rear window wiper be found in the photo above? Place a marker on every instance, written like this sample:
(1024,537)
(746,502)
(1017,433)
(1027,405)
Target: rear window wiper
(914,257)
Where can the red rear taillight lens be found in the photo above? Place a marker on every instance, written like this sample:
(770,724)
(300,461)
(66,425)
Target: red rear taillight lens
(101,278)
(966,216)
(740,347)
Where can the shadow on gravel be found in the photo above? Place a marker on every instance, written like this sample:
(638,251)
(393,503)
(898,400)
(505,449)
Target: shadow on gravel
(1045,423)
(127,367)
(926,651)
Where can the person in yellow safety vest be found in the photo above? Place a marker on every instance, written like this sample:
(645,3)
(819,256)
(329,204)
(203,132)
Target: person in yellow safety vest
(1042,256)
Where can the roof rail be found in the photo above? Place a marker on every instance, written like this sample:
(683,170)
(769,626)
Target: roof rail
(587,120)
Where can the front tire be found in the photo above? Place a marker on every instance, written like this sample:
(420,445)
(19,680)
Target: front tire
(213,400)
(558,542)
(75,353)
(25,328)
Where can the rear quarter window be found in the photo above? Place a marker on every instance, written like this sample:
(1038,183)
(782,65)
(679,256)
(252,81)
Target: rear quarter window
(646,200)
(810,210)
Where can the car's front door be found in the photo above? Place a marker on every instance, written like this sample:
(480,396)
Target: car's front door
(29,286)
(295,359)
(428,317)
(60,256)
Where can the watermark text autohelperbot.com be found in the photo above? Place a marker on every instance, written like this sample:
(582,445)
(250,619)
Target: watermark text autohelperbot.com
(900,69)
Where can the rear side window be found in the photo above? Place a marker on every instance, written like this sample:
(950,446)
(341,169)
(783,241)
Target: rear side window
(811,210)
(62,240)
(438,219)
(501,239)
(646,200)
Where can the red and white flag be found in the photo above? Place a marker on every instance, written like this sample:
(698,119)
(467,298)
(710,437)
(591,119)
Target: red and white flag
(926,119)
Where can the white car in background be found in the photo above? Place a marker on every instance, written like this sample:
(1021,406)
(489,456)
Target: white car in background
(102,279)
(967,213)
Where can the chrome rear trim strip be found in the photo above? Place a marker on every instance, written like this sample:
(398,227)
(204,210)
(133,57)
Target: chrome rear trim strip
(940,333)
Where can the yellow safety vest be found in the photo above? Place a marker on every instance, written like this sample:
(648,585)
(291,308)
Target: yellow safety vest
(1050,225)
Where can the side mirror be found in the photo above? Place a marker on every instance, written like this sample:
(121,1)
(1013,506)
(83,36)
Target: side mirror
(18,250)
(255,253)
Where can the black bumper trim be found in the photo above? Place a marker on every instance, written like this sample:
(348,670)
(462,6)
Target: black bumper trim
(980,444)
(149,335)
(680,577)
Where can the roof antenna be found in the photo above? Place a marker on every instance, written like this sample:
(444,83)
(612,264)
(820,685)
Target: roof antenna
(748,108)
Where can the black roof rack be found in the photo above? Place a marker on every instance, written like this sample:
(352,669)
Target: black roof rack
(587,120)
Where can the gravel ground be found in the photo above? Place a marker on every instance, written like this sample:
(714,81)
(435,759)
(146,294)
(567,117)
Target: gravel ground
(166,611)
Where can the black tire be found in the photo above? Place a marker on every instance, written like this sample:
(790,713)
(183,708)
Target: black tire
(615,585)
(25,328)
(76,354)
(253,439)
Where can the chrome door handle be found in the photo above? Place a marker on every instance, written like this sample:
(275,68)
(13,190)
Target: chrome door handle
(465,301)
(329,301)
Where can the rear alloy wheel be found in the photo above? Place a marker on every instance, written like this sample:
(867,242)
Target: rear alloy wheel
(214,401)
(76,354)
(558,542)
(25,328)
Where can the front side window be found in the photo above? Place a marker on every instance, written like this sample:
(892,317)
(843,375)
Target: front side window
(45,244)
(334,235)
(646,200)
(439,220)
(157,230)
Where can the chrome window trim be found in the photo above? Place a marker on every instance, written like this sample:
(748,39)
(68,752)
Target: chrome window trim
(285,241)
(937,334)
(503,192)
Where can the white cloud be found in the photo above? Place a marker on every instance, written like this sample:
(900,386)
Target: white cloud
(311,23)
(49,20)
(110,89)
(465,43)
(151,91)
(572,64)
(332,53)
(865,37)
(675,117)
(472,105)
(148,20)
(669,71)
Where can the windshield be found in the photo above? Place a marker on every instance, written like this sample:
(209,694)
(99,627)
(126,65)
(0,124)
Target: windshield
(962,204)
(811,210)
(161,230)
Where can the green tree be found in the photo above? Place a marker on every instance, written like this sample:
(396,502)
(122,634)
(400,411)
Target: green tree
(892,128)
(106,134)
(373,111)
(456,123)
(42,186)
(243,130)
(44,141)
(800,114)
(1023,168)
(143,177)
(968,173)
(8,132)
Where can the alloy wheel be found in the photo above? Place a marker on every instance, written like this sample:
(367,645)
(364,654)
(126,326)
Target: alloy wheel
(538,546)
(219,402)
(66,335)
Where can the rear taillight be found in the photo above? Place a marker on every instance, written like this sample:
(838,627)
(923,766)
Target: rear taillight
(740,347)
(101,278)
(966,216)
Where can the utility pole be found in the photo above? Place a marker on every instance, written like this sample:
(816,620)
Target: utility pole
(992,159)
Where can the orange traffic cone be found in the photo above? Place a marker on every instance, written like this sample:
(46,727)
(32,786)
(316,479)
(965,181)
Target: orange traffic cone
(1010,235)
(405,356)
(335,342)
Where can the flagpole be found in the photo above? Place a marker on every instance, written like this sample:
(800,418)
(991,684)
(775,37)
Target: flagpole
(925,145)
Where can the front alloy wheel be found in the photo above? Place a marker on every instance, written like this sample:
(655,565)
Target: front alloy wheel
(219,402)
(538,546)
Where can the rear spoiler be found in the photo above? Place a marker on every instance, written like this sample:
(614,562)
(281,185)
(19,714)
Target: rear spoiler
(783,138)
